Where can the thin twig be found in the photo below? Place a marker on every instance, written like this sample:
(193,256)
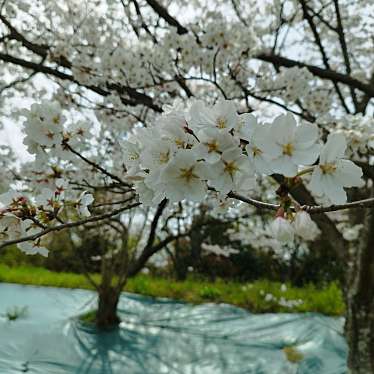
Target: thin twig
(95,165)
(311,209)
(67,226)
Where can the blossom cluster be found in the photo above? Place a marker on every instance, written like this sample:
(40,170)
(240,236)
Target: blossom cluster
(295,84)
(46,131)
(217,250)
(22,216)
(359,132)
(189,152)
(300,224)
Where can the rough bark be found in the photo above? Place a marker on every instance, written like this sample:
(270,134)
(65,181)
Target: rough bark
(359,295)
(108,297)
(106,315)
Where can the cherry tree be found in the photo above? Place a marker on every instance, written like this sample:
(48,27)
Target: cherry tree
(242,103)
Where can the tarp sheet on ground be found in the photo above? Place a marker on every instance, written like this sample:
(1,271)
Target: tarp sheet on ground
(161,336)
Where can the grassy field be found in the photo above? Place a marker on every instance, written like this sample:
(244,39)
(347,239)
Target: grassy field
(257,297)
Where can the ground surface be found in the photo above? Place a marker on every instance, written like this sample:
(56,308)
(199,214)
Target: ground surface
(161,336)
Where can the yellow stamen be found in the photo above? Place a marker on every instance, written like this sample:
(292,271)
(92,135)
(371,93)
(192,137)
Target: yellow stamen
(179,143)
(288,149)
(327,168)
(212,147)
(133,156)
(188,174)
(231,168)
(221,123)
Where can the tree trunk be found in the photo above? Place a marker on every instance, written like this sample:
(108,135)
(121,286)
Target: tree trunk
(180,271)
(359,295)
(106,315)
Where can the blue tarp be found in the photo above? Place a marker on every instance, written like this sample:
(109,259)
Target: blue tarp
(161,336)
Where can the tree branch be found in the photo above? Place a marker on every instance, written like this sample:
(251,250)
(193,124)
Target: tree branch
(136,98)
(149,248)
(325,59)
(41,50)
(164,14)
(67,226)
(328,74)
(343,44)
(95,165)
(311,209)
(253,202)
(362,204)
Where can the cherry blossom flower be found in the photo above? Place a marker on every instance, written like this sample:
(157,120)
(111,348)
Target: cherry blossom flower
(289,145)
(28,227)
(174,128)
(33,248)
(147,195)
(184,178)
(157,154)
(222,115)
(44,124)
(231,171)
(46,198)
(245,126)
(10,226)
(213,143)
(256,134)
(131,153)
(282,230)
(304,226)
(7,198)
(85,199)
(333,172)
(79,129)
(219,251)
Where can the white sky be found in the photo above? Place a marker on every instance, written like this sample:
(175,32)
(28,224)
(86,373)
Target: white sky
(11,135)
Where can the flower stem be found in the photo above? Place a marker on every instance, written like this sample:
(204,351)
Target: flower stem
(305,171)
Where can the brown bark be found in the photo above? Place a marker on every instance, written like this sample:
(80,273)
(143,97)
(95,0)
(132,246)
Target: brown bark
(108,297)
(106,315)
(359,296)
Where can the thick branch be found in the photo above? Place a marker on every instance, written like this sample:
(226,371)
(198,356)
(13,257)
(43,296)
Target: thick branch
(41,50)
(146,255)
(164,14)
(328,74)
(137,98)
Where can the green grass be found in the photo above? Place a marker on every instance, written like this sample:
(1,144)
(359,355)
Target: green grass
(258,297)
(88,317)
